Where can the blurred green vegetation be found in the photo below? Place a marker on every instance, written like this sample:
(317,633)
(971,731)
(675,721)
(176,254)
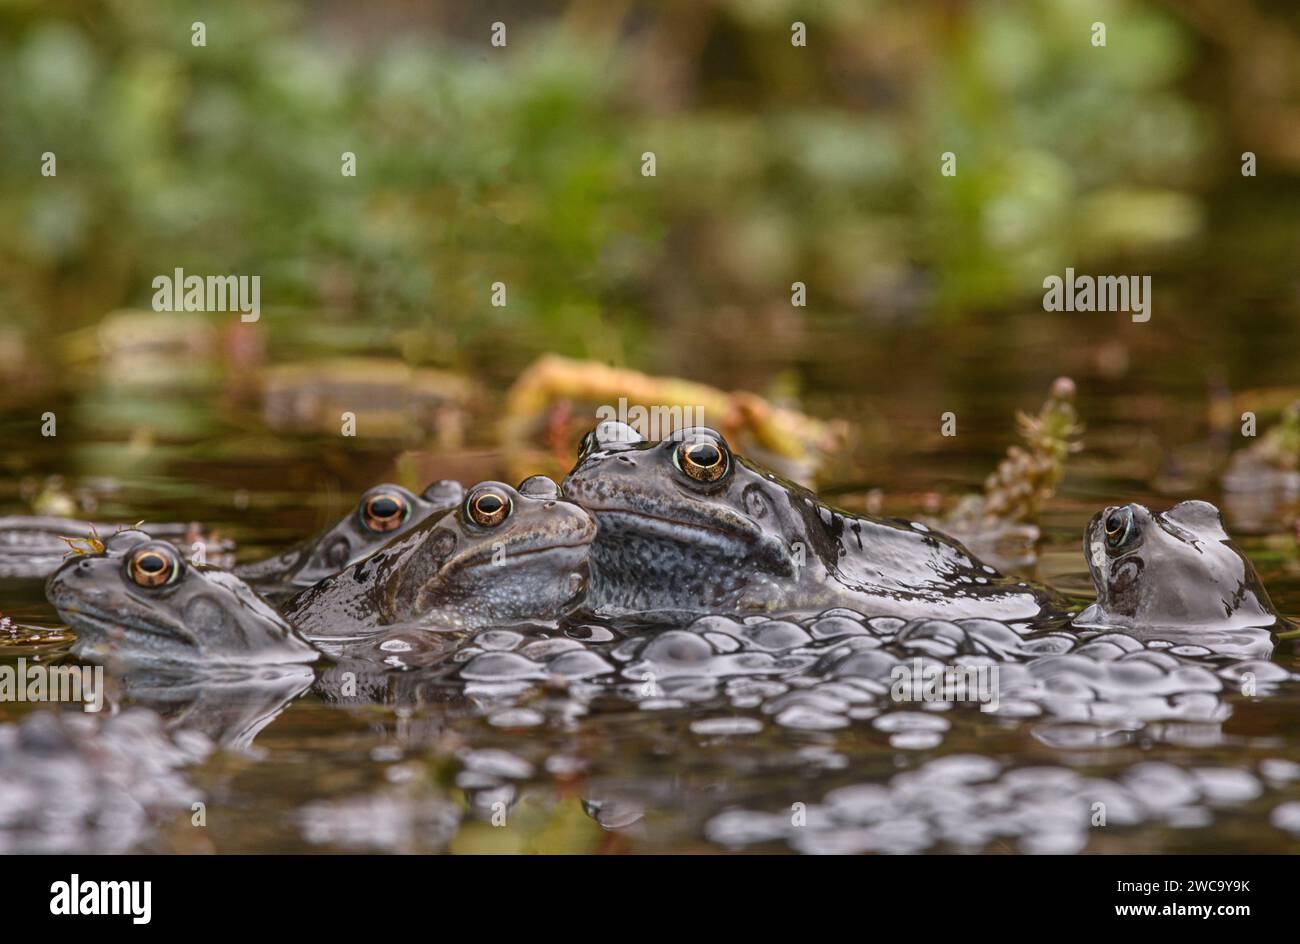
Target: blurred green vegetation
(523,164)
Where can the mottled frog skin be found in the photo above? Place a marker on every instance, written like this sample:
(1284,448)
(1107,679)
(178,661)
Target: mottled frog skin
(1177,576)
(140,601)
(502,555)
(687,527)
(383,513)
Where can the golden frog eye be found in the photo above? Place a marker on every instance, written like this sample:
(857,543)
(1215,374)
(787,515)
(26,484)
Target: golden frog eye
(489,509)
(1119,526)
(384,511)
(154,566)
(703,460)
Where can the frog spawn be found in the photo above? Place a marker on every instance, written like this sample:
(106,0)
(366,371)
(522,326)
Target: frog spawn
(967,803)
(81,783)
(842,668)
(411,813)
(729,680)
(407,815)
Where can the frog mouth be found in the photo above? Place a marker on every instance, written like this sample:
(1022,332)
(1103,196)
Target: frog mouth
(1094,553)
(89,622)
(490,556)
(669,529)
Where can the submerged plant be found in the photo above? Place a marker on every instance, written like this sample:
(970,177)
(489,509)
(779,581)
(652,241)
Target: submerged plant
(1027,477)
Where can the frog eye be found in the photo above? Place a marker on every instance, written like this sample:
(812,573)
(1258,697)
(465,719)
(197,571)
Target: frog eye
(702,459)
(384,511)
(488,508)
(1119,527)
(154,565)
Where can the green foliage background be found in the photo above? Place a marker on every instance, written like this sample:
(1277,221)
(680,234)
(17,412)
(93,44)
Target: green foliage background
(478,164)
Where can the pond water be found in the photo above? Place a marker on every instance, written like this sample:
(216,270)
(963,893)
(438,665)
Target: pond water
(748,737)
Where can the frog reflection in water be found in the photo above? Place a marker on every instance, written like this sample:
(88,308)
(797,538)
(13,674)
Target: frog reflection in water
(1176,576)
(687,527)
(501,556)
(383,513)
(140,601)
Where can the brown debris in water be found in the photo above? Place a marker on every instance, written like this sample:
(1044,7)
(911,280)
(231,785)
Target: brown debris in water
(81,546)
(545,414)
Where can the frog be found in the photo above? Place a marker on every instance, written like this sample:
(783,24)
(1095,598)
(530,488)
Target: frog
(1177,576)
(140,601)
(201,648)
(383,513)
(502,555)
(686,527)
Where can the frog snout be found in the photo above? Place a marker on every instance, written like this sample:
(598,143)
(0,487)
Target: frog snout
(70,570)
(572,520)
(81,567)
(75,582)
